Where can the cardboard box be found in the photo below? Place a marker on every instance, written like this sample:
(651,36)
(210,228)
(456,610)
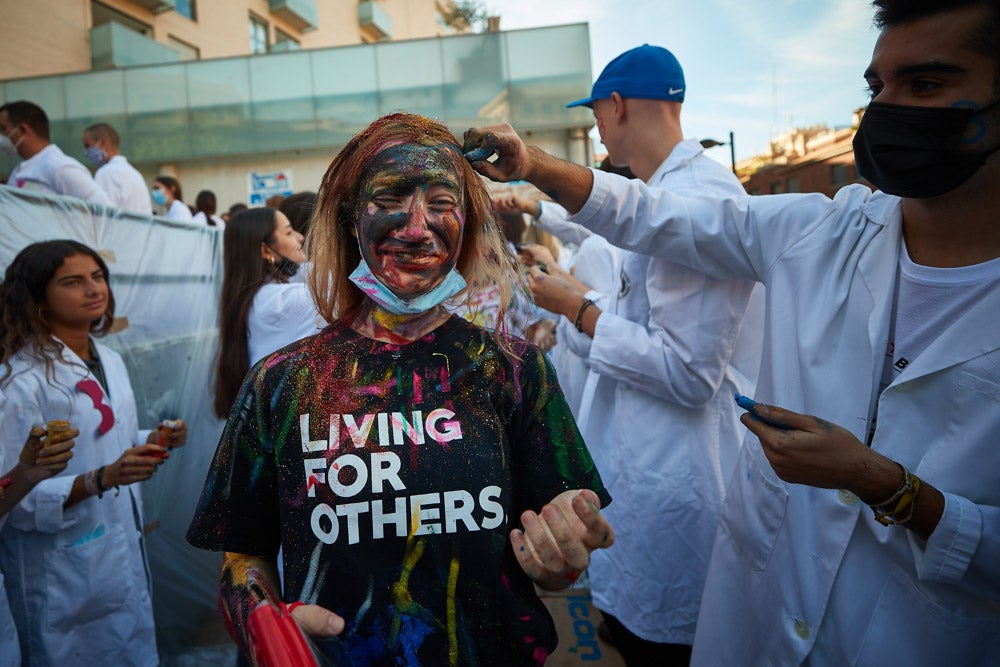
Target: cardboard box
(576,622)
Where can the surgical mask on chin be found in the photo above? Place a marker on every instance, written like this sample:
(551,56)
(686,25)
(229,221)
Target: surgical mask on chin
(366,281)
(917,152)
(8,147)
(96,155)
(159,197)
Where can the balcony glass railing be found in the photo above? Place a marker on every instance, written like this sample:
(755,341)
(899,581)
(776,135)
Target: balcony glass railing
(319,98)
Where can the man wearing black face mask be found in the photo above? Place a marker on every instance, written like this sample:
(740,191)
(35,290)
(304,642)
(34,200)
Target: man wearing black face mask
(882,309)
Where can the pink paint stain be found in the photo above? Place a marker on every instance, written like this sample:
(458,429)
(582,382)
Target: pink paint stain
(311,482)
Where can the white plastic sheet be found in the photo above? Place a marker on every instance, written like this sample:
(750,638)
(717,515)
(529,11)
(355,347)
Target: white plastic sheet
(165,276)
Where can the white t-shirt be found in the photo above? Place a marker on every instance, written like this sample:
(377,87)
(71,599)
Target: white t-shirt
(179,211)
(124,186)
(928,300)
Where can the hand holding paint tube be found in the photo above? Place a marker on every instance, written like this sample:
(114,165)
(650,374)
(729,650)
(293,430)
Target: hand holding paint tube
(750,406)
(170,433)
(48,449)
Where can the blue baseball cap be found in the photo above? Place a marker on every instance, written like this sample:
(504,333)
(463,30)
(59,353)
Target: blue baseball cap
(645,72)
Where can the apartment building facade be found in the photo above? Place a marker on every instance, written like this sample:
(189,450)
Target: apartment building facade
(218,93)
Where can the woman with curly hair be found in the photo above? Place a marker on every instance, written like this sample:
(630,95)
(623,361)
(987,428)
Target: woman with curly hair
(392,456)
(72,551)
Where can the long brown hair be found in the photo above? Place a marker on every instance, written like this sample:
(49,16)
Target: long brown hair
(484,258)
(244,272)
(22,302)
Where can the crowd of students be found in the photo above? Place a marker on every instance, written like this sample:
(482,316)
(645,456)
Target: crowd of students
(400,470)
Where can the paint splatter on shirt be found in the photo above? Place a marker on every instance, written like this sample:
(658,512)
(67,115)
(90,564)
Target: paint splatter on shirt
(392,475)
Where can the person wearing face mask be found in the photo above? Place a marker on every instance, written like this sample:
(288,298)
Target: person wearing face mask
(24,133)
(124,185)
(421,474)
(265,303)
(166,194)
(862,523)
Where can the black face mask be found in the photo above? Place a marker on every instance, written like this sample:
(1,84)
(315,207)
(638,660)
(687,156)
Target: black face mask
(917,151)
(285,266)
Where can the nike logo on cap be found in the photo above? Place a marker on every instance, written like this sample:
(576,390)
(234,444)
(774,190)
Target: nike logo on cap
(674,91)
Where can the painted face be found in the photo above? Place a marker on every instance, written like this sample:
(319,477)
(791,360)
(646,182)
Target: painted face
(287,242)
(77,295)
(411,218)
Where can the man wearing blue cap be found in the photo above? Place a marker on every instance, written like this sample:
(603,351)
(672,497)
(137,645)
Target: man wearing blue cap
(657,410)
(862,523)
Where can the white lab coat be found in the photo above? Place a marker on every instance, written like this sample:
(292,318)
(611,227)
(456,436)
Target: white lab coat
(124,185)
(281,314)
(659,416)
(77,578)
(52,171)
(800,572)
(10,652)
(179,211)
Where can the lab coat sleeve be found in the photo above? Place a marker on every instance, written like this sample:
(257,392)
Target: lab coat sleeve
(76,181)
(578,342)
(964,548)
(555,220)
(732,236)
(682,354)
(42,509)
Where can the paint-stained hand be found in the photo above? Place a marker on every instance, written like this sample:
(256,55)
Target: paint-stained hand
(542,333)
(556,290)
(136,464)
(513,160)
(46,454)
(531,254)
(169,433)
(815,452)
(515,203)
(554,546)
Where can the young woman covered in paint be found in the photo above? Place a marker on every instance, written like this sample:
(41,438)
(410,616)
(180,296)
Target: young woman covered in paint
(43,455)
(393,455)
(265,303)
(72,551)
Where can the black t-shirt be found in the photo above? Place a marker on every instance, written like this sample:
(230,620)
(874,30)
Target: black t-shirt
(392,476)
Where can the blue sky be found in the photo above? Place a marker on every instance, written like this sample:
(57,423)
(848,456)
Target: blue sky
(753,67)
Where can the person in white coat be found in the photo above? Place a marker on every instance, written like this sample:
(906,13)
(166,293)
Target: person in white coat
(72,552)
(657,409)
(24,133)
(124,185)
(265,302)
(167,195)
(881,322)
(45,453)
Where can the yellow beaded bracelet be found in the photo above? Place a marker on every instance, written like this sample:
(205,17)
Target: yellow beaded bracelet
(888,513)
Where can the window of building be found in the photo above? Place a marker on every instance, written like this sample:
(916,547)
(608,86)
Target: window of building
(258,35)
(186,8)
(754,191)
(792,185)
(102,14)
(187,51)
(838,174)
(776,188)
(284,42)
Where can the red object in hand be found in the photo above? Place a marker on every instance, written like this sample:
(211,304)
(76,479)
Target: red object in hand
(6,482)
(275,638)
